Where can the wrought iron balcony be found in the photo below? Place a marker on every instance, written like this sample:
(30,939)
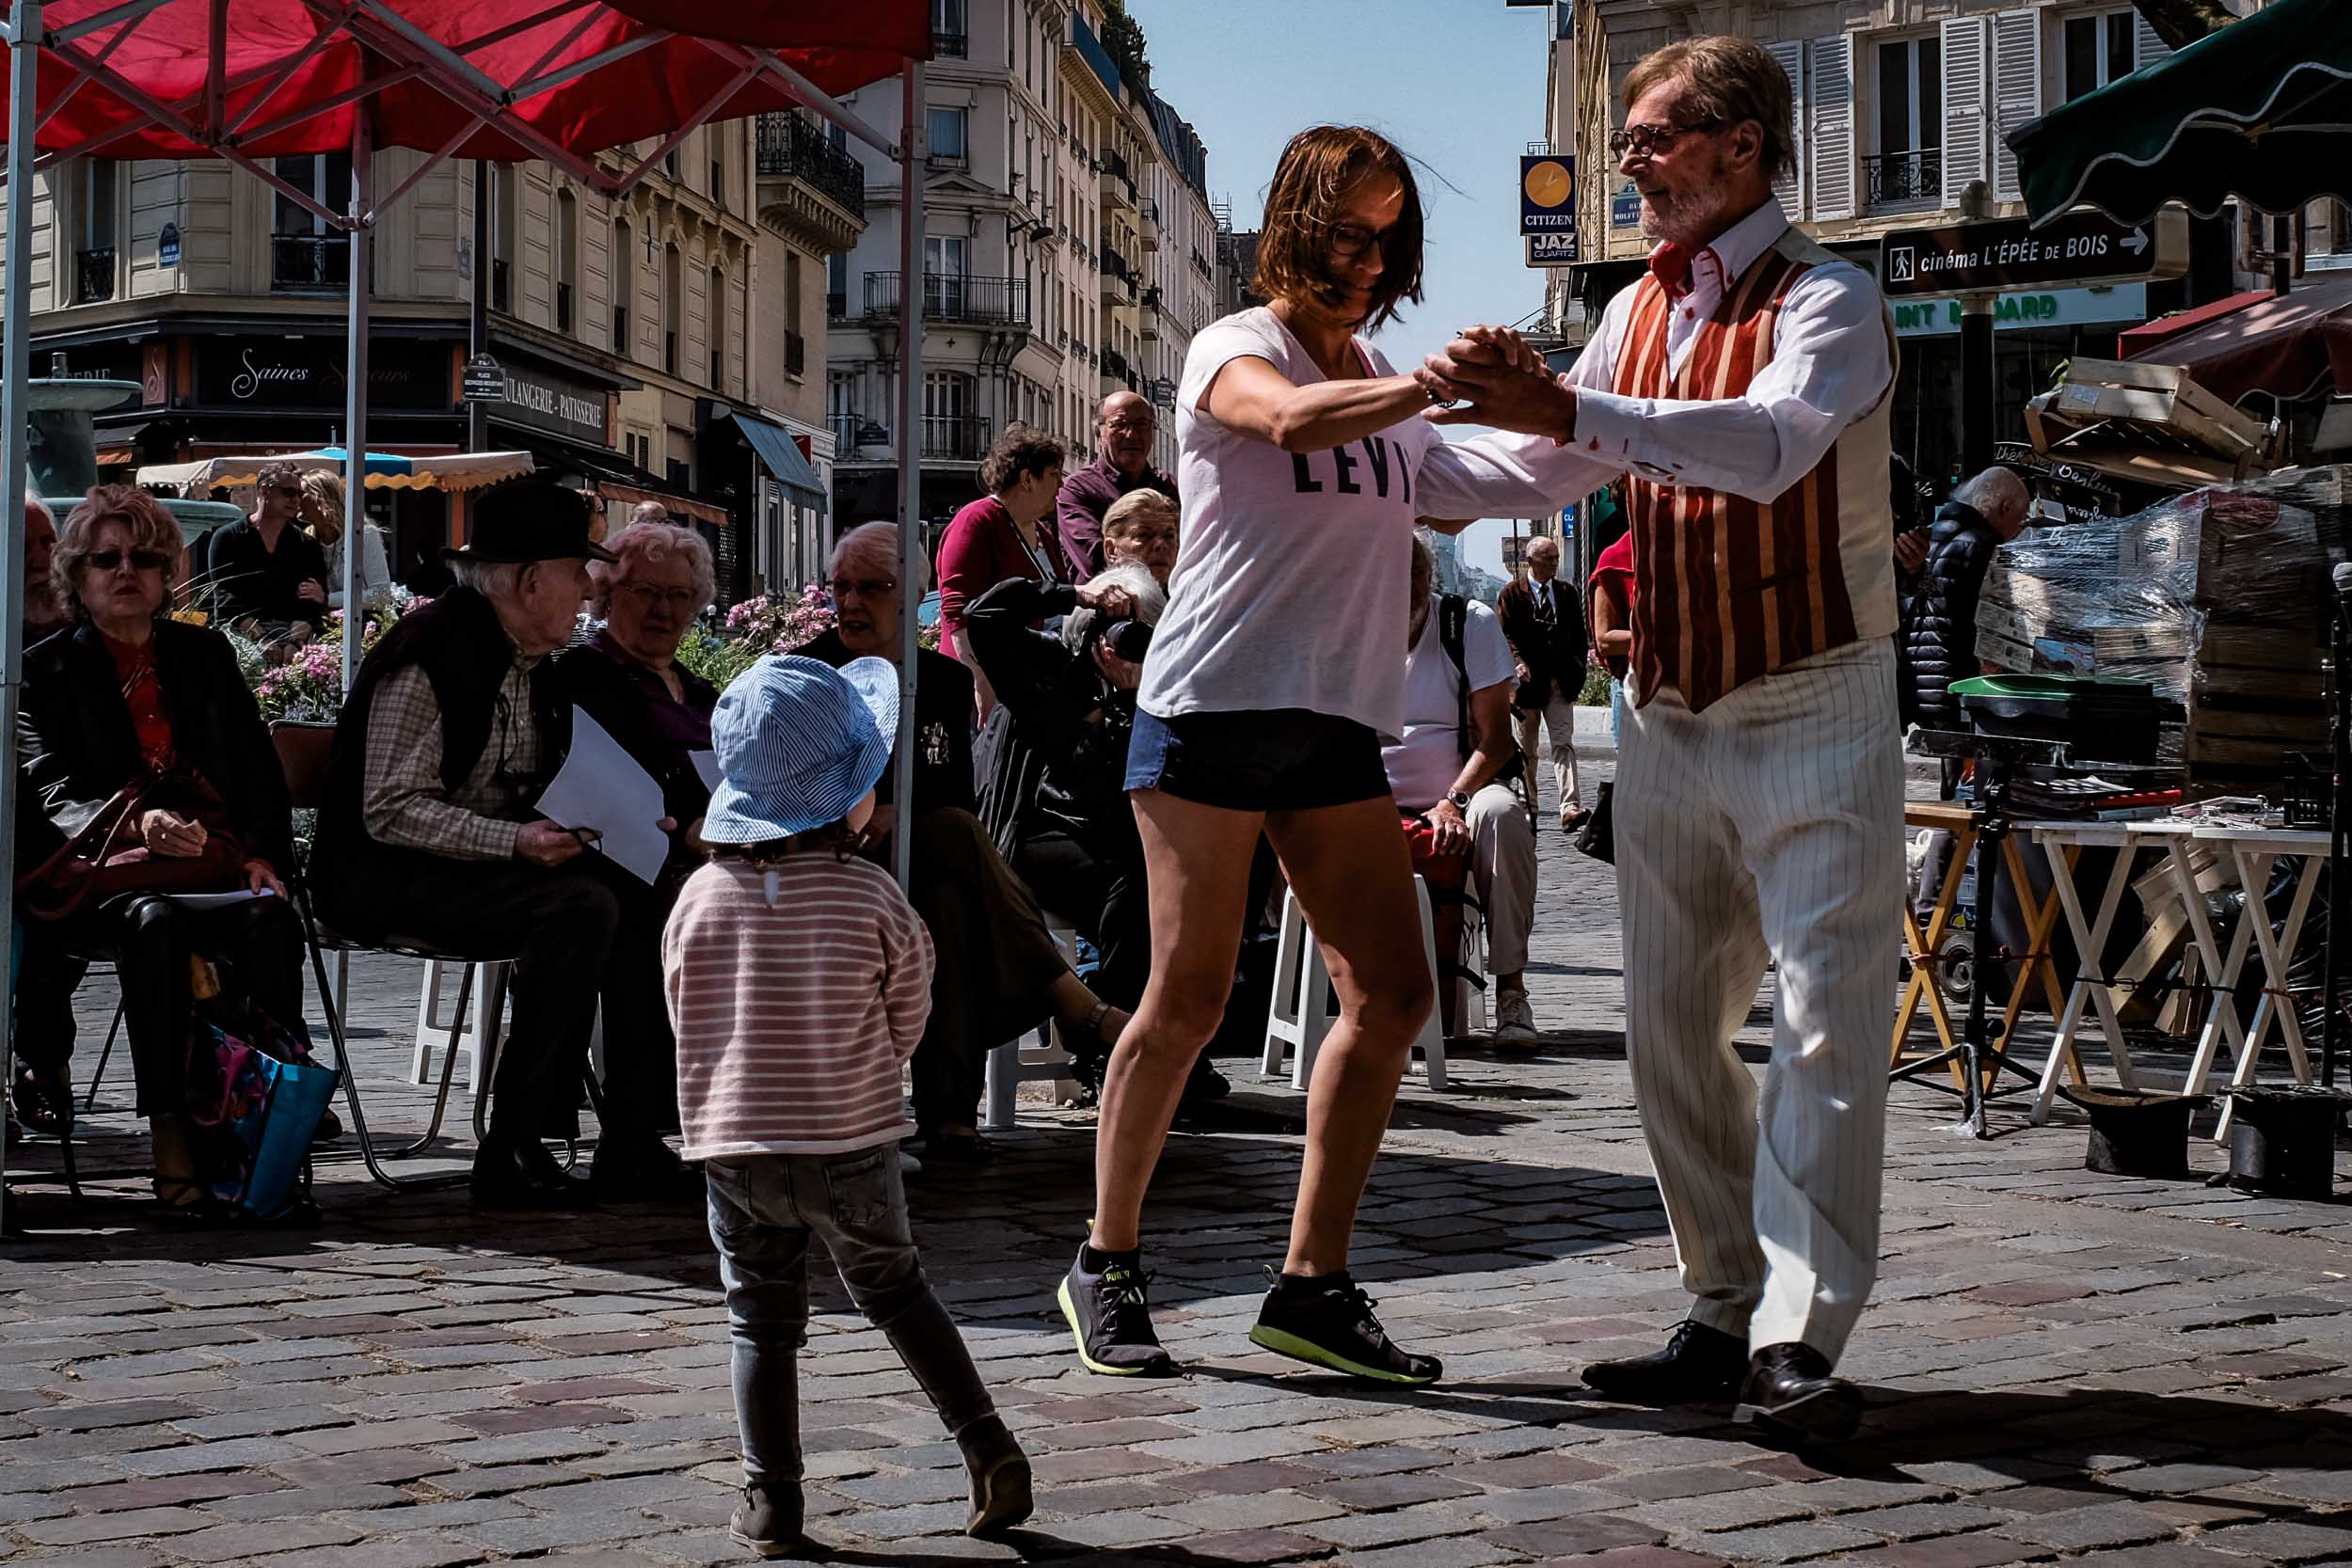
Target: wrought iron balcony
(1898,178)
(844,433)
(955,297)
(309,262)
(836,306)
(93,275)
(563,307)
(621,344)
(795,354)
(502,284)
(950,46)
(960,436)
(789,147)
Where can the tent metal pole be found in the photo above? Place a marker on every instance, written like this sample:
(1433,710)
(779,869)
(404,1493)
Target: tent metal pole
(909,456)
(355,387)
(16,368)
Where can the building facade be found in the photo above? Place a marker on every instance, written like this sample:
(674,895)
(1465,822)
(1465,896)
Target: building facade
(1901,105)
(644,341)
(1067,252)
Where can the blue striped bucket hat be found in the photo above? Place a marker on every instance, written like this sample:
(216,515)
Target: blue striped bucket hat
(799,744)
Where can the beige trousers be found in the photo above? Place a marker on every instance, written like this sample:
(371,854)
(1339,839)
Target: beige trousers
(1769,825)
(1558,715)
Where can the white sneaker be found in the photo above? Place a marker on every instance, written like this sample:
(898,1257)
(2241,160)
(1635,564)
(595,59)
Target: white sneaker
(1514,1021)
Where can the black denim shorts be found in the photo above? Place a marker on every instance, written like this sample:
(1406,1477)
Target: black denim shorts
(1260,760)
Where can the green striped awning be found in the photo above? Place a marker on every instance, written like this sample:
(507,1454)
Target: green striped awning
(2261,110)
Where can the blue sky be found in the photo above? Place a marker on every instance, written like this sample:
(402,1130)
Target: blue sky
(1463,98)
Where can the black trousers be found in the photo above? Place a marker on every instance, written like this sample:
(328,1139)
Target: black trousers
(1103,899)
(259,943)
(994,963)
(577,934)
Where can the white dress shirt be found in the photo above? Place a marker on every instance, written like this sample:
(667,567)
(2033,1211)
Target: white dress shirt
(1831,362)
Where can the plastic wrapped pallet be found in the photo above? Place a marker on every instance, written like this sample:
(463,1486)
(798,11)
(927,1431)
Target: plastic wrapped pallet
(2218,598)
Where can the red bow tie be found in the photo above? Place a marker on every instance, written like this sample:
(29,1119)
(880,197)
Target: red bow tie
(1670,264)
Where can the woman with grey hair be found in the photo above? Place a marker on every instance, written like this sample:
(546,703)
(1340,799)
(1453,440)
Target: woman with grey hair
(627,677)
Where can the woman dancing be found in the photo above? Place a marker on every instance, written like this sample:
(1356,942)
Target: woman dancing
(1272,682)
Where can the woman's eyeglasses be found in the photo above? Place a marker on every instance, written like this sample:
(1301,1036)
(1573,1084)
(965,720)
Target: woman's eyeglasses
(1645,140)
(865,588)
(1351,239)
(145,560)
(649,596)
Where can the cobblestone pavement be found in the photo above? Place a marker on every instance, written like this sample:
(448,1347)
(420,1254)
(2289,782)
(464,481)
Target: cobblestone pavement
(2062,1367)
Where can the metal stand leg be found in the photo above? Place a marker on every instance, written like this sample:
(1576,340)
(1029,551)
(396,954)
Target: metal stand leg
(90,1098)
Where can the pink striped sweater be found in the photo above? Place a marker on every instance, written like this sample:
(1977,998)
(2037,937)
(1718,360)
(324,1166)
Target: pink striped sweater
(794,1012)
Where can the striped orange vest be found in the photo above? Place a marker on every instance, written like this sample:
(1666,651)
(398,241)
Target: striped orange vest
(1727,589)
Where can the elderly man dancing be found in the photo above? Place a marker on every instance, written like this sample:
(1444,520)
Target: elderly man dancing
(1743,385)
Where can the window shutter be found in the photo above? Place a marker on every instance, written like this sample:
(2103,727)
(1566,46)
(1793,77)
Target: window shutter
(2146,49)
(1829,101)
(2016,91)
(1789,188)
(1965,98)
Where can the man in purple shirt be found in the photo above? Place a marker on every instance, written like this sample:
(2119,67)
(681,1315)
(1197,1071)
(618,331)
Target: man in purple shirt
(1122,462)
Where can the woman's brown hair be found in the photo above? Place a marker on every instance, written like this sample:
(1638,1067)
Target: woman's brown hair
(1023,451)
(1319,169)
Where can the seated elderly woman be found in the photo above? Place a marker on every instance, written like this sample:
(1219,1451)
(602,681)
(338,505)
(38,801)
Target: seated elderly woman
(125,693)
(627,677)
(998,973)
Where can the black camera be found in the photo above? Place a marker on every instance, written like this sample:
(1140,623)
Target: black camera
(1127,640)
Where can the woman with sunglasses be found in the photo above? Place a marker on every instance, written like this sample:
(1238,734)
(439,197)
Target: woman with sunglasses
(1272,682)
(127,690)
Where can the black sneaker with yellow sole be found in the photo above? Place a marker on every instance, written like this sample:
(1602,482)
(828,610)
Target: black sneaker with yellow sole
(1329,1322)
(1110,1315)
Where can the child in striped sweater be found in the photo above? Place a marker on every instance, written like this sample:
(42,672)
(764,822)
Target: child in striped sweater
(799,980)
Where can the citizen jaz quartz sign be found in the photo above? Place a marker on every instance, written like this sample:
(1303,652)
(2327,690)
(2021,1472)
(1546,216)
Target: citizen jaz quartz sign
(307,373)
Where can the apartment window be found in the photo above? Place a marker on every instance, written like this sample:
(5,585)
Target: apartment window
(306,251)
(836,286)
(719,182)
(2098,50)
(673,292)
(947,130)
(504,228)
(624,285)
(717,330)
(944,276)
(951,31)
(94,256)
(948,429)
(795,346)
(567,257)
(1907,165)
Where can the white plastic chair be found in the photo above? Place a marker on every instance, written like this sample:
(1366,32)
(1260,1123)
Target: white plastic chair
(1035,1058)
(1302,1012)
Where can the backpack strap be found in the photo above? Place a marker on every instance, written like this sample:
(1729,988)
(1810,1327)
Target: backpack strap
(1453,617)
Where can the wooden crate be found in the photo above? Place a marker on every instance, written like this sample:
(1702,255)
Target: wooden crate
(2152,423)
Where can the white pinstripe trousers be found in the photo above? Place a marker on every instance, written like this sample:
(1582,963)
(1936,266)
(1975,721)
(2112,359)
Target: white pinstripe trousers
(1771,824)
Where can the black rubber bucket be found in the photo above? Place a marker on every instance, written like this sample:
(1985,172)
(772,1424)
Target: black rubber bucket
(2282,1139)
(2133,1133)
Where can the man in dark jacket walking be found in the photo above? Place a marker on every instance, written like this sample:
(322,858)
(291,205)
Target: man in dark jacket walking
(1938,644)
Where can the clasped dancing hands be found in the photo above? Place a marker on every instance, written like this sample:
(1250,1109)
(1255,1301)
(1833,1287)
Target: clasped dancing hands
(1489,375)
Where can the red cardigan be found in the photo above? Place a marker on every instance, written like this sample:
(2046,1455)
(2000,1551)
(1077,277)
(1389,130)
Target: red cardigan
(980,549)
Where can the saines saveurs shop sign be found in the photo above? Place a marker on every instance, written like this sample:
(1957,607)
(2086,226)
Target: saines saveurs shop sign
(309,374)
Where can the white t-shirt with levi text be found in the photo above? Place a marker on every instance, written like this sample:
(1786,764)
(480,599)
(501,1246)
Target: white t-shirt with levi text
(1294,568)
(1424,767)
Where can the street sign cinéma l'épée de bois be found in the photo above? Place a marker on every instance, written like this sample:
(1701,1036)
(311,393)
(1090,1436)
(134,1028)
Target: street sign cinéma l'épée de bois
(2004,254)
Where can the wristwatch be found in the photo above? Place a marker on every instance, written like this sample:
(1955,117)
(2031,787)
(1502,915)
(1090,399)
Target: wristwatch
(1460,798)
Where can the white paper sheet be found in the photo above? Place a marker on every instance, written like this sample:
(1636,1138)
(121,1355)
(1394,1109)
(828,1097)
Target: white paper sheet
(215,901)
(601,786)
(706,767)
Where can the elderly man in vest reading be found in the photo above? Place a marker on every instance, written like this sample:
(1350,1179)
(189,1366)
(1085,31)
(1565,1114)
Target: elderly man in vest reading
(1743,387)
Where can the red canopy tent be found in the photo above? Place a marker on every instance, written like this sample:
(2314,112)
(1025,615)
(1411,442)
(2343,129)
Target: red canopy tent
(2289,346)
(558,80)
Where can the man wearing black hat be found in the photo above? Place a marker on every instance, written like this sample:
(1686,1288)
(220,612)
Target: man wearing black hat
(428,832)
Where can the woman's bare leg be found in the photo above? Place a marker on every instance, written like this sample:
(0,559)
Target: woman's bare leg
(1196,858)
(1354,879)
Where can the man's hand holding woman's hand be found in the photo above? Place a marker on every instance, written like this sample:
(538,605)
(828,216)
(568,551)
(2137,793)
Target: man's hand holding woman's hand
(1496,378)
